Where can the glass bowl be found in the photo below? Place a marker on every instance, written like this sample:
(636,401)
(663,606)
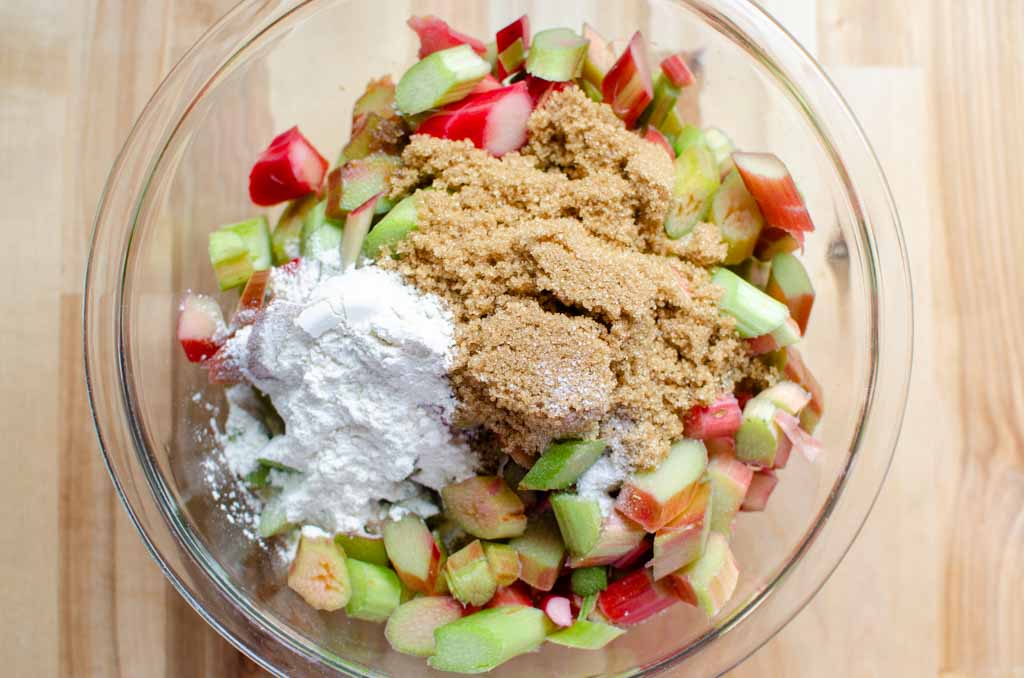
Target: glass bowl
(269,65)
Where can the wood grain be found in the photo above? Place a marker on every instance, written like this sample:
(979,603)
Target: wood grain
(934,585)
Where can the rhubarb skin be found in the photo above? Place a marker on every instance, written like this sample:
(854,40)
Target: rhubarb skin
(413,552)
(199,323)
(710,581)
(599,58)
(410,628)
(677,71)
(494,121)
(289,168)
(807,444)
(719,419)
(682,541)
(796,369)
(656,137)
(790,284)
(761,487)
(729,480)
(634,598)
(627,86)
(653,498)
(252,298)
(619,537)
(435,35)
(512,56)
(540,553)
(773,241)
(768,180)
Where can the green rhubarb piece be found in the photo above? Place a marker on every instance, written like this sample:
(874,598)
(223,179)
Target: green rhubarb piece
(579,521)
(556,55)
(592,91)
(230,259)
(410,628)
(357,181)
(393,228)
(652,498)
(786,395)
(540,552)
(709,581)
(754,271)
(673,124)
(273,520)
(729,479)
(377,98)
(755,312)
(373,133)
(665,97)
(687,137)
(321,237)
(255,233)
(413,552)
(738,218)
(376,591)
(357,224)
(491,56)
(758,437)
(586,635)
(485,507)
(484,640)
(721,147)
(587,606)
(286,240)
(365,549)
(469,575)
(695,186)
(320,574)
(589,581)
(562,463)
(441,78)
(503,561)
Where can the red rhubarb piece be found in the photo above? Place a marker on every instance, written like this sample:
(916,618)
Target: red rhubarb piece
(540,89)
(494,121)
(677,70)
(803,441)
(512,57)
(719,419)
(761,486)
(489,83)
(634,556)
(435,34)
(634,598)
(653,135)
(290,168)
(198,325)
(253,296)
(768,180)
(514,594)
(627,86)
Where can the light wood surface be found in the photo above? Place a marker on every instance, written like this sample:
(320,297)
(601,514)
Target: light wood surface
(935,584)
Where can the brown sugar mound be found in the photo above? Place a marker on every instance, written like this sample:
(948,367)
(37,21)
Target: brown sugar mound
(575,315)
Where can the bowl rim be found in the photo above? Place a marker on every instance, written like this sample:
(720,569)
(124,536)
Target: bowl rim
(713,13)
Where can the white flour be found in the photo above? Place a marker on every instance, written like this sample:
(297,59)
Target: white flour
(356,365)
(597,481)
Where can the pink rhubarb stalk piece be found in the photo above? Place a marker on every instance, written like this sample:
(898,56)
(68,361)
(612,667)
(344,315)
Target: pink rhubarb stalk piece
(719,419)
(803,441)
(253,297)
(761,487)
(199,323)
(633,557)
(435,34)
(599,58)
(514,594)
(558,609)
(289,168)
(796,370)
(677,71)
(653,135)
(619,539)
(627,87)
(634,598)
(488,84)
(540,89)
(512,43)
(494,121)
(768,180)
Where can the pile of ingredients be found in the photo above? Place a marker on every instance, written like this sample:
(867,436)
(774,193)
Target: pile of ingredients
(509,371)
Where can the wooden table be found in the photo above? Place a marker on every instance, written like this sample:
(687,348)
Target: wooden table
(934,585)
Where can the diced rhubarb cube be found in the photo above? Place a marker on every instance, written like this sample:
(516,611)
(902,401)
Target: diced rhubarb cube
(436,35)
(724,445)
(721,147)
(469,575)
(790,284)
(677,70)
(367,549)
(503,561)
(556,55)
(720,418)
(319,573)
(485,507)
(758,438)
(754,311)
(770,183)
(599,58)
(738,218)
(513,594)
(373,133)
(494,121)
(682,541)
(357,224)
(653,498)
(773,241)
(357,181)
(619,537)
(413,553)
(803,441)
(562,463)
(511,45)
(761,487)
(694,189)
(199,324)
(579,521)
(786,334)
(410,628)
(441,78)
(729,480)
(540,553)
(627,86)
(289,168)
(787,395)
(586,635)
(377,98)
(558,609)
(487,639)
(634,598)
(710,581)
(286,240)
(376,591)
(393,228)
(540,89)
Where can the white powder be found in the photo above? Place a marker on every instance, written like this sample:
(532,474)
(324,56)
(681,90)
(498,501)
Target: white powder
(356,365)
(605,476)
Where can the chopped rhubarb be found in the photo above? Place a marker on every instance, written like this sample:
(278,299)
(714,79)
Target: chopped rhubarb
(230,259)
(469,575)
(410,628)
(754,311)
(558,609)
(738,218)
(790,284)
(320,574)
(540,89)
(653,498)
(289,168)
(694,189)
(373,133)
(513,594)
(722,147)
(367,549)
(786,334)
(556,55)
(796,370)
(634,556)
(586,635)
(441,78)
(724,445)
(787,395)
(511,45)
(598,60)
(435,35)
(562,463)
(729,480)
(199,324)
(773,188)
(634,598)
(579,521)
(494,121)
(286,240)
(677,70)
(619,537)
(803,441)
(503,561)
(485,507)
(488,84)
(754,271)
(758,438)
(627,86)
(774,241)
(376,591)
(393,228)
(378,98)
(665,95)
(761,487)
(321,236)
(252,298)
(682,541)
(710,581)
(486,639)
(357,224)
(720,418)
(655,137)
(540,553)
(413,553)
(357,181)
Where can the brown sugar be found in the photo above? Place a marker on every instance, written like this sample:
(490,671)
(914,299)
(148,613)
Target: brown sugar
(575,315)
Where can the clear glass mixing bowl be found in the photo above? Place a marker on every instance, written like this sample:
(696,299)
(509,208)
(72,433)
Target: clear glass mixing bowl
(270,65)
